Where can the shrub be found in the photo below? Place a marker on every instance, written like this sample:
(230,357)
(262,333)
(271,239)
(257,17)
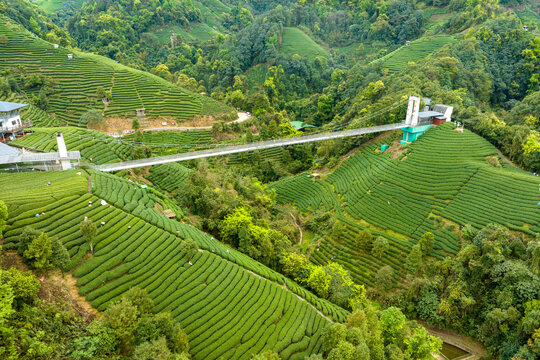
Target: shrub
(91,118)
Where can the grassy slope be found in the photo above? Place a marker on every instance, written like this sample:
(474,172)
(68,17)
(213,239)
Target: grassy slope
(76,81)
(51,6)
(295,41)
(230,305)
(256,76)
(211,13)
(417,50)
(442,181)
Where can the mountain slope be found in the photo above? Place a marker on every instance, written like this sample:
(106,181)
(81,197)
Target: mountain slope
(229,305)
(76,81)
(442,181)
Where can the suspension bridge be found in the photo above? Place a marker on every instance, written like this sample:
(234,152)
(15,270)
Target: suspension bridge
(198,151)
(326,134)
(226,150)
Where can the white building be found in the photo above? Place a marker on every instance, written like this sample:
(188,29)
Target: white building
(10,119)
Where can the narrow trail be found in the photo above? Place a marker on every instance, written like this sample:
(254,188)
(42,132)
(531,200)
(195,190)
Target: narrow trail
(505,159)
(295,224)
(242,116)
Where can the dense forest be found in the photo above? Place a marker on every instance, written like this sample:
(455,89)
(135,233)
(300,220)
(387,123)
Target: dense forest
(328,64)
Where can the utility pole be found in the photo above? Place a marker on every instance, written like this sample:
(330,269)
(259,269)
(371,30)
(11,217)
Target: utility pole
(173,39)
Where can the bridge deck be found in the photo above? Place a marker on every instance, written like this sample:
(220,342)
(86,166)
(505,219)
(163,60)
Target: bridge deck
(225,150)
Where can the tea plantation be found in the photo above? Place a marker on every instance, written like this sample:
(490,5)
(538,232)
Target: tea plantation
(295,41)
(77,80)
(439,183)
(230,305)
(169,177)
(417,50)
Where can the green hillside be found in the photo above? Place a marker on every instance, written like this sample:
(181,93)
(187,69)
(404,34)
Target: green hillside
(295,41)
(76,82)
(200,32)
(229,305)
(417,50)
(440,182)
(51,6)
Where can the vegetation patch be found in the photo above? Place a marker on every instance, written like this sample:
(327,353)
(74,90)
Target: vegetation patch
(295,41)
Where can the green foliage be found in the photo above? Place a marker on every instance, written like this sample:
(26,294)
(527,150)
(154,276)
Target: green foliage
(393,326)
(319,281)
(99,341)
(380,246)
(27,236)
(414,259)
(89,231)
(487,291)
(373,334)
(139,298)
(189,247)
(122,318)
(78,93)
(60,255)
(426,243)
(3,216)
(152,350)
(39,252)
(141,152)
(266,355)
(91,118)
(420,345)
(24,286)
(364,240)
(333,335)
(135,124)
(384,278)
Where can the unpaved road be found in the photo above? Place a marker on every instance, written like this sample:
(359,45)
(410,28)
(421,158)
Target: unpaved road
(242,116)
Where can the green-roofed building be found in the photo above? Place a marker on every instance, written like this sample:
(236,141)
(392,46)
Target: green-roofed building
(301,126)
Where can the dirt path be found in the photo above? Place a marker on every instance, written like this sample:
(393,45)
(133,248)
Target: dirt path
(451,337)
(203,123)
(298,227)
(505,159)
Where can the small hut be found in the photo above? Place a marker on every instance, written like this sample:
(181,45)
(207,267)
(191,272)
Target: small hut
(169,213)
(55,46)
(70,56)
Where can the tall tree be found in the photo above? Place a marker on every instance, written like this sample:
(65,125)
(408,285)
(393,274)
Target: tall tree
(89,232)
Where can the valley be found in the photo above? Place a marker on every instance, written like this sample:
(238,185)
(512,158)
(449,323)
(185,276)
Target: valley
(268,180)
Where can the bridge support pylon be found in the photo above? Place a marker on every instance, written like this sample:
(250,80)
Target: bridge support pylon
(412,111)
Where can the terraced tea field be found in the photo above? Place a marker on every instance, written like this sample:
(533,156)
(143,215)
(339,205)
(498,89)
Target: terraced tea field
(295,41)
(25,191)
(176,138)
(169,177)
(107,149)
(440,182)
(417,50)
(230,305)
(77,80)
